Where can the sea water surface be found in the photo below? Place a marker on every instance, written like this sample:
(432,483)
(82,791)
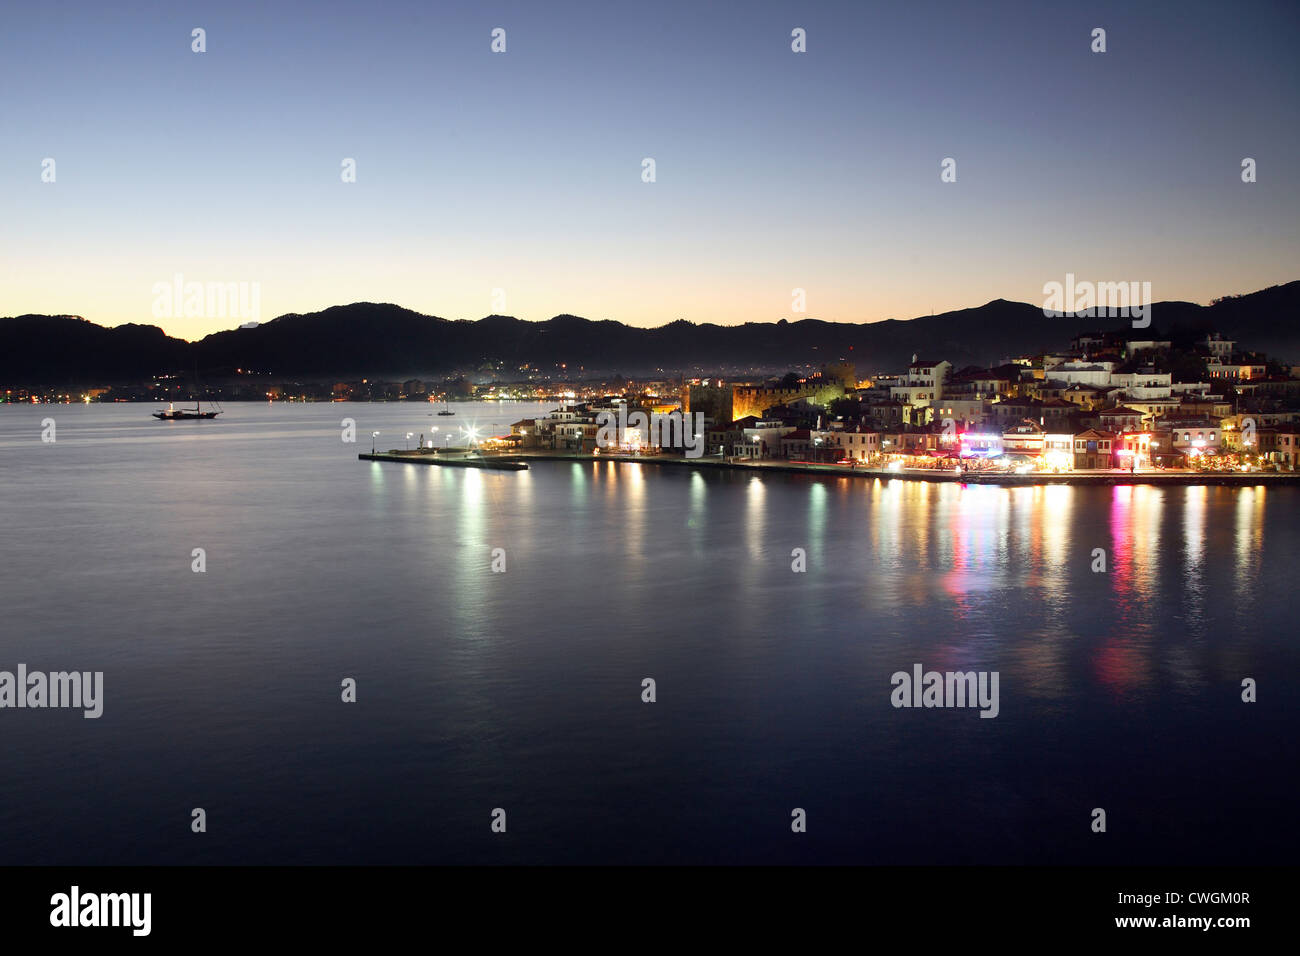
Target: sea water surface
(1118,689)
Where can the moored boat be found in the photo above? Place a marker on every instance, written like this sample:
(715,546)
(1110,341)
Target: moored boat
(174,414)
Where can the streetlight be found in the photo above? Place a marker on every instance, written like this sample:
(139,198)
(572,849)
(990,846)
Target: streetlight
(373,436)
(407,446)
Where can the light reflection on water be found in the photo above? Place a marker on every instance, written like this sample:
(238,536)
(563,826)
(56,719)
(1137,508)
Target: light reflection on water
(523,687)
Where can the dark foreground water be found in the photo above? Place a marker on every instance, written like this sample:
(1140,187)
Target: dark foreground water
(522,690)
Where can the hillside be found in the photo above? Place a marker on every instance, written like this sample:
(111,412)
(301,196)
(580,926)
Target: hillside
(379,340)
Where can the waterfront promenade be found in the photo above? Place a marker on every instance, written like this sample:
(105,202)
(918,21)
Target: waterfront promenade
(505,461)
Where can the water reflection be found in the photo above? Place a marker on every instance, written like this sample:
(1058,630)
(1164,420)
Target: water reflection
(487,683)
(1007,575)
(818,506)
(636,513)
(755,516)
(1249,538)
(1193,576)
(578,484)
(1133,561)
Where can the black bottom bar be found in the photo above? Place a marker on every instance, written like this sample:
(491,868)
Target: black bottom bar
(768,905)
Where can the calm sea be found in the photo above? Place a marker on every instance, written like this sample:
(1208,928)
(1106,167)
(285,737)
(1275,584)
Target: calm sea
(522,690)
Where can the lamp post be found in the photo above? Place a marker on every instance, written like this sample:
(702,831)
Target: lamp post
(407,446)
(373,436)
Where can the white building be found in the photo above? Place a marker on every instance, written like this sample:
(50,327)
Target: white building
(928,374)
(1086,373)
(760,440)
(860,446)
(972,411)
(1220,349)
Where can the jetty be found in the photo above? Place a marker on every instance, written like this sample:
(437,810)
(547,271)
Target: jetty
(455,460)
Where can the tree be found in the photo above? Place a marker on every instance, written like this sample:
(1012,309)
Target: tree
(846,408)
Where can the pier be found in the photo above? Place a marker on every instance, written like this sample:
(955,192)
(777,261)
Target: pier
(455,460)
(518,461)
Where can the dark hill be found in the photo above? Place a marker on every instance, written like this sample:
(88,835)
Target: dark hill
(384,340)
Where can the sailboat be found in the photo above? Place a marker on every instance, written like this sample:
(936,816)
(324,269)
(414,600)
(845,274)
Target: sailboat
(446,410)
(174,414)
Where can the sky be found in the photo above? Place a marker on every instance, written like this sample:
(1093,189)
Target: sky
(513,182)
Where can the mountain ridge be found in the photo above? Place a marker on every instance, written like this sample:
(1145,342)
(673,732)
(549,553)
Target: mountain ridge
(385,339)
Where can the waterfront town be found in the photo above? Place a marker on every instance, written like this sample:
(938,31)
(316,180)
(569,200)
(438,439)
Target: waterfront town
(1108,403)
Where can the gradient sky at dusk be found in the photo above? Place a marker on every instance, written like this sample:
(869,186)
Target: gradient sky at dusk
(522,171)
